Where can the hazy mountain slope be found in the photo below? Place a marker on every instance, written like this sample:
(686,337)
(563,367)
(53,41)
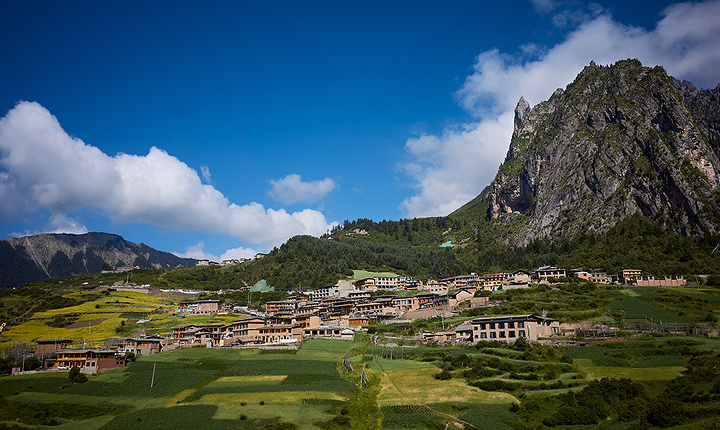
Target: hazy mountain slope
(31,258)
(619,140)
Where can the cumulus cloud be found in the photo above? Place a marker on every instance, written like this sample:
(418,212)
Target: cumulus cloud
(291,189)
(42,167)
(464,159)
(198,252)
(64,224)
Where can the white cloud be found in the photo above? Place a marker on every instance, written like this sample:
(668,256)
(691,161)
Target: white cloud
(198,252)
(63,224)
(205,171)
(451,169)
(543,6)
(237,253)
(41,167)
(462,161)
(291,189)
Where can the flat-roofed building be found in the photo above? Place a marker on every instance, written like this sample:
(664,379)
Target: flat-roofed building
(280,306)
(494,281)
(510,328)
(48,347)
(402,304)
(144,346)
(550,272)
(282,333)
(199,307)
(323,332)
(461,281)
(629,276)
(366,284)
(390,282)
(249,327)
(324,292)
(431,300)
(358,321)
(87,360)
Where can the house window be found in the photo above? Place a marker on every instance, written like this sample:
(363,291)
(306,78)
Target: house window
(521,333)
(492,326)
(483,335)
(502,335)
(511,334)
(511,325)
(476,337)
(482,326)
(501,325)
(493,335)
(475,328)
(521,324)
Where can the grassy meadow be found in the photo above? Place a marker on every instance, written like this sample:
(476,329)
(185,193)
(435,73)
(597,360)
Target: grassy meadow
(364,274)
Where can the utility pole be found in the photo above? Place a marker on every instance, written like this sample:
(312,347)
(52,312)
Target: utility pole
(152,381)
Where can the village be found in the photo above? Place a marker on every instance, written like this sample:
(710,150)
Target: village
(339,311)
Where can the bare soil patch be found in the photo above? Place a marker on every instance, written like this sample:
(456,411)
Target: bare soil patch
(81,324)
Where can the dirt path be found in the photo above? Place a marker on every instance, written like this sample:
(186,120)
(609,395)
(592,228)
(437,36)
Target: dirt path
(452,417)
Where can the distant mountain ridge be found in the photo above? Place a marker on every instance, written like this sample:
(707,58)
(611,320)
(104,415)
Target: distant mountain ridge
(44,256)
(619,140)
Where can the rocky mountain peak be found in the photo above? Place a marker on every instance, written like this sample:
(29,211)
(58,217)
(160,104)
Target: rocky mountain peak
(521,111)
(30,258)
(618,140)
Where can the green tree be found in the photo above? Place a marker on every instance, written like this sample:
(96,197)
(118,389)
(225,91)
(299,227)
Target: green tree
(76,377)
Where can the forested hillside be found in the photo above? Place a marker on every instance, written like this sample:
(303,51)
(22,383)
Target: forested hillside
(310,262)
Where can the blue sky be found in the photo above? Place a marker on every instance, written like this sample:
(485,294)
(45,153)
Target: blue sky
(221,129)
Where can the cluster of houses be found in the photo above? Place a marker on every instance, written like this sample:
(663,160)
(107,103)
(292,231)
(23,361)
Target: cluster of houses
(229,262)
(94,360)
(336,311)
(633,277)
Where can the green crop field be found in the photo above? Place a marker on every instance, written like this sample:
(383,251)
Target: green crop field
(252,388)
(214,388)
(101,316)
(489,385)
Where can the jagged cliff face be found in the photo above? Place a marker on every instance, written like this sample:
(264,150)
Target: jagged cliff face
(617,141)
(31,258)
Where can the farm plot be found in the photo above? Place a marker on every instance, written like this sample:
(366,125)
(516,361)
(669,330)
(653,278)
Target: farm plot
(411,397)
(212,388)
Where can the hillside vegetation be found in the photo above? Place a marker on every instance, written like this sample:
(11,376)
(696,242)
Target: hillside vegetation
(308,262)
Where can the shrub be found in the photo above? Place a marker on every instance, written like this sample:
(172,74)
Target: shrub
(279,426)
(444,375)
(76,377)
(496,385)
